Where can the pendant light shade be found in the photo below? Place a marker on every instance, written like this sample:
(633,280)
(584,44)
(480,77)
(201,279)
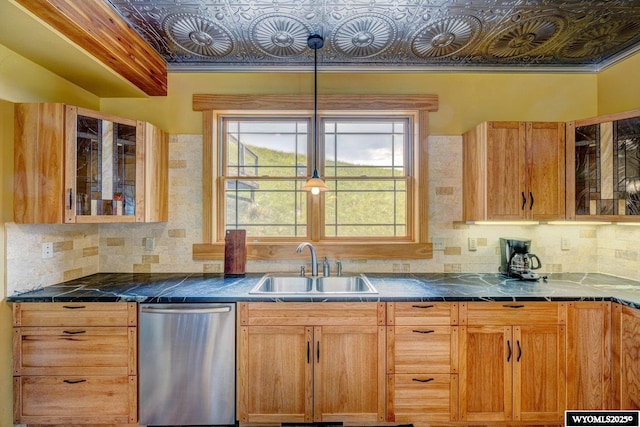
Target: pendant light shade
(315,184)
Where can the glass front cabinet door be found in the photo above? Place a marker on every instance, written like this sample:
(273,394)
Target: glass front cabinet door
(603,156)
(75,165)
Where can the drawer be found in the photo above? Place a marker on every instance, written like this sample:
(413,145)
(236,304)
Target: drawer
(75,399)
(418,349)
(306,314)
(422,398)
(422,313)
(513,313)
(74,350)
(74,314)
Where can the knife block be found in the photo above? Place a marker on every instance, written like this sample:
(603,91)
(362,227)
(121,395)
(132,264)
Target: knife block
(235,252)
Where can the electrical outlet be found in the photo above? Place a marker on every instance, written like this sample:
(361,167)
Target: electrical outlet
(565,244)
(149,243)
(473,244)
(47,250)
(438,243)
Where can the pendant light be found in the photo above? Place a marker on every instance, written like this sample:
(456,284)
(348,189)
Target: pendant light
(315,184)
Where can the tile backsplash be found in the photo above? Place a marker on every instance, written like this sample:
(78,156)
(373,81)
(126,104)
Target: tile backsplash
(80,250)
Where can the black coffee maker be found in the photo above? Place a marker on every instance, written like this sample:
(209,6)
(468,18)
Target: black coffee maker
(516,261)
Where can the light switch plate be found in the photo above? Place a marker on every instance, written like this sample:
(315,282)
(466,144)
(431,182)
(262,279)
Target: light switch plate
(565,244)
(149,244)
(473,244)
(438,243)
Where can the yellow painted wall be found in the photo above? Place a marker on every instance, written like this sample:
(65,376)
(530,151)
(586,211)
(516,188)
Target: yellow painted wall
(6,214)
(22,80)
(465,99)
(619,87)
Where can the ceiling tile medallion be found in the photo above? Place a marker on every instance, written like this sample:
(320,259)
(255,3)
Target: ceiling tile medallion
(364,36)
(279,36)
(445,37)
(387,35)
(198,35)
(597,40)
(525,37)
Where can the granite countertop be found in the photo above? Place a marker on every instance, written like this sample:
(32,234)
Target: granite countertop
(190,287)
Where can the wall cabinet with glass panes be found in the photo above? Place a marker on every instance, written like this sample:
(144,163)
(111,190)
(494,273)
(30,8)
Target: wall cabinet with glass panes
(603,168)
(73,165)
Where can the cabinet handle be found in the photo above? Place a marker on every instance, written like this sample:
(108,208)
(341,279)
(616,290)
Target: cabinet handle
(531,197)
(422,306)
(422,381)
(513,305)
(73,307)
(509,354)
(524,200)
(70,198)
(74,332)
(428,331)
(519,351)
(308,352)
(318,351)
(74,381)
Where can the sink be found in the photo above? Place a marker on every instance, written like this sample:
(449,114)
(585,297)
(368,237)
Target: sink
(344,284)
(283,284)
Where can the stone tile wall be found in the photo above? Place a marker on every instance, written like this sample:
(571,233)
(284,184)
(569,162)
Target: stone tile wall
(80,250)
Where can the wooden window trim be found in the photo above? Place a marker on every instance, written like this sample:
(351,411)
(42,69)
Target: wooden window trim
(212,106)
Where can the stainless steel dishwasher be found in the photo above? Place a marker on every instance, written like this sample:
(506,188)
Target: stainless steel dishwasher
(186,369)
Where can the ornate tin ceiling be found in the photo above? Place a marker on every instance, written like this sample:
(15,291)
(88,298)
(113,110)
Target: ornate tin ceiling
(235,35)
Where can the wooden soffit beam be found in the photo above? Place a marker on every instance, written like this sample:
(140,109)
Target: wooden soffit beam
(98,29)
(212,102)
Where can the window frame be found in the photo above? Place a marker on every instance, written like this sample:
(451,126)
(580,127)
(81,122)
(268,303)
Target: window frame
(213,107)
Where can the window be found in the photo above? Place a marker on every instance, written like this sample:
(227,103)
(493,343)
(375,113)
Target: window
(364,161)
(371,153)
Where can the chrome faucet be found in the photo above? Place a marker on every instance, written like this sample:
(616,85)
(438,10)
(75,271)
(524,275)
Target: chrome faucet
(314,258)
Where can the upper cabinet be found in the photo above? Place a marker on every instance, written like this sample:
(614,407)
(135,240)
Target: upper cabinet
(603,168)
(74,165)
(514,171)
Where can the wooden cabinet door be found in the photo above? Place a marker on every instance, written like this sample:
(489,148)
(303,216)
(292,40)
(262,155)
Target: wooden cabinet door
(38,164)
(588,355)
(275,381)
(545,148)
(349,373)
(485,373)
(538,372)
(505,169)
(629,358)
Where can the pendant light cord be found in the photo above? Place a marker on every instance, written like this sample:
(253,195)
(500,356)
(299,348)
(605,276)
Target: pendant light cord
(315,112)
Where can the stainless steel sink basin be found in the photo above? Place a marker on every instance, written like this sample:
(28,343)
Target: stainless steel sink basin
(344,285)
(303,285)
(283,285)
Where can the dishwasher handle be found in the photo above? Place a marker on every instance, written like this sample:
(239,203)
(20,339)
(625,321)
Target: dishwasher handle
(184,310)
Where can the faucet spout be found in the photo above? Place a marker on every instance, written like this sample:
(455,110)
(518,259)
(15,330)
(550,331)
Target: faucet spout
(314,258)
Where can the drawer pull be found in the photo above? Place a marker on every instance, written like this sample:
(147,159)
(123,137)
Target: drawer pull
(74,332)
(74,381)
(73,307)
(422,306)
(422,381)
(513,305)
(428,331)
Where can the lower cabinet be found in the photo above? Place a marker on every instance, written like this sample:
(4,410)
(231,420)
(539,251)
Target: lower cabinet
(512,362)
(74,363)
(422,380)
(311,362)
(626,357)
(589,355)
